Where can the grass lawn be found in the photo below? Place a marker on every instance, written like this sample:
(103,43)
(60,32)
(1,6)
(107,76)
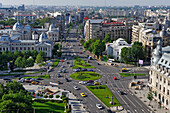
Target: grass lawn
(42,64)
(105,58)
(84,76)
(131,74)
(48,107)
(78,62)
(55,63)
(104,94)
(41,76)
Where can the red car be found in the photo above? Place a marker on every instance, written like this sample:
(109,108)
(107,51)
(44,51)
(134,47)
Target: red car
(80,52)
(114,78)
(90,81)
(28,81)
(61,60)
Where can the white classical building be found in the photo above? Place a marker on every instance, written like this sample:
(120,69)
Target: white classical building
(114,49)
(159,81)
(22,38)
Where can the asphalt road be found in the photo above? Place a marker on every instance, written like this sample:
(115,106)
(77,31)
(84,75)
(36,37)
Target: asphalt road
(130,102)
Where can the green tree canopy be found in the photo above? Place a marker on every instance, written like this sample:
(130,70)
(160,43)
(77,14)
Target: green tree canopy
(18,61)
(39,59)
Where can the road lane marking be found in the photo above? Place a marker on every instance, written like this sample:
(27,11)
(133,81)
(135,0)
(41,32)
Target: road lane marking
(135,110)
(143,110)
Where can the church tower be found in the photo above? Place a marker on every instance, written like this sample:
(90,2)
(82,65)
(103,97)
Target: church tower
(157,53)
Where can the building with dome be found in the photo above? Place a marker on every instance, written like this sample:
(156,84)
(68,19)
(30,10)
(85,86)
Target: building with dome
(8,43)
(159,81)
(114,49)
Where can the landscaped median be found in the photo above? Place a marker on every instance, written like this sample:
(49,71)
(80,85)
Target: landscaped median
(104,94)
(84,76)
(78,62)
(41,76)
(131,74)
(55,63)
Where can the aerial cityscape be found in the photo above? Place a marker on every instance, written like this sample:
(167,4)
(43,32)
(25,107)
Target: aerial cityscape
(84,56)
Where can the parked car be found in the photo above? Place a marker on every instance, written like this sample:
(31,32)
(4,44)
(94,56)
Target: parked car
(82,82)
(77,70)
(70,65)
(16,75)
(90,81)
(90,70)
(32,79)
(21,81)
(28,81)
(39,78)
(90,84)
(99,106)
(84,69)
(62,66)
(7,79)
(96,83)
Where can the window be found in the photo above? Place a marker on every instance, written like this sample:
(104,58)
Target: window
(156,84)
(167,92)
(164,89)
(166,62)
(168,82)
(162,60)
(164,80)
(160,87)
(160,78)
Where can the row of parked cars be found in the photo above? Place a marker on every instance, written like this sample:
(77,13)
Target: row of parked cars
(90,82)
(84,69)
(30,80)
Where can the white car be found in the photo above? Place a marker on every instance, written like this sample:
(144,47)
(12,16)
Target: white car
(76,88)
(99,106)
(82,82)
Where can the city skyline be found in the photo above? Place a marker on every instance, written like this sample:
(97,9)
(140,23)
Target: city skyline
(87,2)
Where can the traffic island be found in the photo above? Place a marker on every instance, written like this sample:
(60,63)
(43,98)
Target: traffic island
(79,63)
(85,76)
(105,95)
(131,74)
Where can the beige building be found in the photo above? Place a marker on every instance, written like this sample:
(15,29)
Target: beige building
(99,28)
(159,81)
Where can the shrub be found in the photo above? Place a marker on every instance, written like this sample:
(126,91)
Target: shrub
(45,96)
(32,93)
(68,110)
(51,96)
(38,94)
(29,93)
(41,95)
(57,96)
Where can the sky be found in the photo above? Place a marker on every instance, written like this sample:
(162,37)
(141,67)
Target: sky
(86,2)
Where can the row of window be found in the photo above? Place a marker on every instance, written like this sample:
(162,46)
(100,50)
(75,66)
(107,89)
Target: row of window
(162,89)
(22,44)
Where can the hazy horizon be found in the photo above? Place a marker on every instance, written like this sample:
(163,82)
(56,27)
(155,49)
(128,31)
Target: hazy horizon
(86,2)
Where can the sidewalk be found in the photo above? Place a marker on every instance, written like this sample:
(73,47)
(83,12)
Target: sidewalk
(142,95)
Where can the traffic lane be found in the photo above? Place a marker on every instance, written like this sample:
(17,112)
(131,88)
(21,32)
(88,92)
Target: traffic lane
(135,102)
(90,100)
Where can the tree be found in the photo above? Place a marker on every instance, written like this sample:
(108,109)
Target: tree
(82,41)
(107,38)
(18,61)
(98,47)
(39,59)
(30,62)
(34,54)
(28,54)
(24,63)
(150,97)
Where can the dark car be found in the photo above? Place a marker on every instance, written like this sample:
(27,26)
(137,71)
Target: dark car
(7,79)
(67,80)
(90,81)
(109,111)
(16,75)
(122,93)
(84,69)
(28,81)
(90,70)
(77,70)
(40,78)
